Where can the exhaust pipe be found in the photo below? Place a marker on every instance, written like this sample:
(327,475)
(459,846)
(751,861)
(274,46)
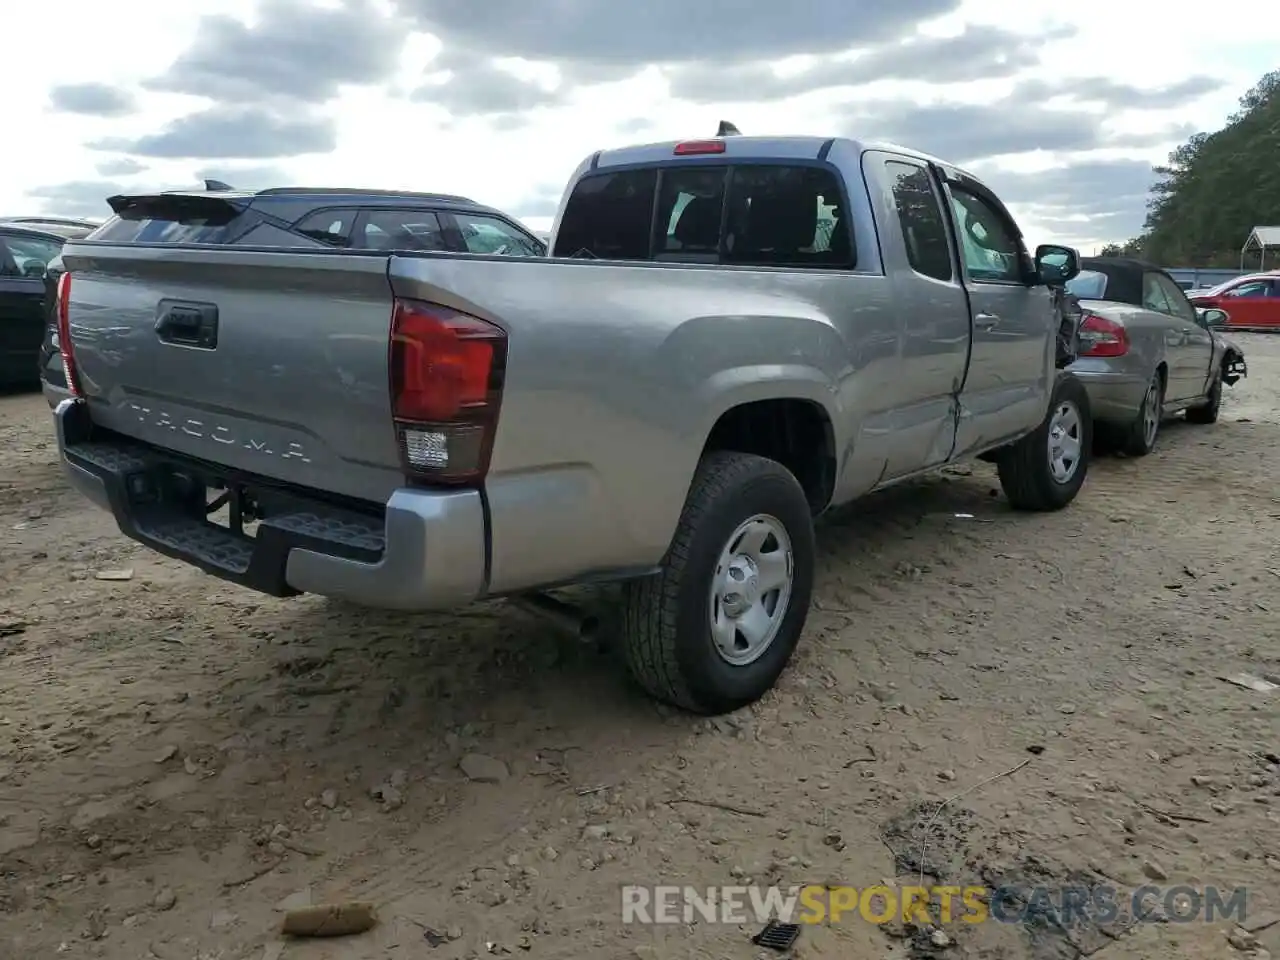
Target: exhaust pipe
(566,616)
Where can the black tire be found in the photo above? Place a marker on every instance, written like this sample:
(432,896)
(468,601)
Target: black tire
(666,627)
(1139,440)
(1209,412)
(1025,468)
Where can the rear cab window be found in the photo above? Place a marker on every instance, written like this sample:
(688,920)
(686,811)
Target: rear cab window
(745,213)
(924,229)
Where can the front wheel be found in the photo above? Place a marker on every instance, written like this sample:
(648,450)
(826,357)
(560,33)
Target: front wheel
(714,629)
(1046,468)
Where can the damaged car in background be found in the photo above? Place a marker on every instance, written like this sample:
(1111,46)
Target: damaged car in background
(1146,353)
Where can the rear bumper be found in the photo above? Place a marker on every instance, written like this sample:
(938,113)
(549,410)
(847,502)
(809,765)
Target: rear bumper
(53,393)
(426,552)
(1113,396)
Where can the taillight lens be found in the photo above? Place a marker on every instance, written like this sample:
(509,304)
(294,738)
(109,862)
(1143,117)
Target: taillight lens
(1100,337)
(447,372)
(63,306)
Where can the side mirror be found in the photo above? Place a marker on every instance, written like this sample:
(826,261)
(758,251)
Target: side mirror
(33,270)
(1056,264)
(1213,318)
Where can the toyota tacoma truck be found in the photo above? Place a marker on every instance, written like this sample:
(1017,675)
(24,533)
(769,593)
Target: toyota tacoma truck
(728,337)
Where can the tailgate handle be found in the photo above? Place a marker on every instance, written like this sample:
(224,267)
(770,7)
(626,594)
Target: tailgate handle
(188,324)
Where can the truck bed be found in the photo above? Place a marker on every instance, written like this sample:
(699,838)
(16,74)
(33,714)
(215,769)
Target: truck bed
(615,375)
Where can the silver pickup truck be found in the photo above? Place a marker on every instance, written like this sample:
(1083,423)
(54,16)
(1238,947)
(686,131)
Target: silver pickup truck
(730,336)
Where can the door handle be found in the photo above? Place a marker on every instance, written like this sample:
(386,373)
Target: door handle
(985,321)
(188,324)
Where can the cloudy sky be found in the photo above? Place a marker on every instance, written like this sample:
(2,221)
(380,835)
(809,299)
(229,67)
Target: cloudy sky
(1062,108)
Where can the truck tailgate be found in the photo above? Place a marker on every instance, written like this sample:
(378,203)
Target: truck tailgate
(271,363)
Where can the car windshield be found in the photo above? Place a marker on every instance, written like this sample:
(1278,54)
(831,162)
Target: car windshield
(1088,285)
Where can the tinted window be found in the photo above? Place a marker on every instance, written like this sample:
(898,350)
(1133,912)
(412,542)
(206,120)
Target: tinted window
(26,256)
(923,229)
(787,216)
(157,230)
(400,230)
(689,207)
(991,251)
(483,234)
(168,218)
(330,226)
(609,216)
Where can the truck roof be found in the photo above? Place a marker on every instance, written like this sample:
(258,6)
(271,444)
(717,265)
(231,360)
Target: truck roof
(791,147)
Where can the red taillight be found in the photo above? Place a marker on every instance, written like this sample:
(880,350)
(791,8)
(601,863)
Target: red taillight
(446,386)
(1100,337)
(692,148)
(62,305)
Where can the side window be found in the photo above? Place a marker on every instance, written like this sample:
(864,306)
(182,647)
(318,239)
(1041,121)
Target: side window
(785,216)
(991,252)
(690,203)
(919,214)
(27,256)
(1153,297)
(400,230)
(330,226)
(609,216)
(8,265)
(1255,288)
(484,234)
(1179,305)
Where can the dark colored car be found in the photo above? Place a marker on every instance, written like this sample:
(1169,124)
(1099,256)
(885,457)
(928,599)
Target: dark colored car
(346,219)
(67,227)
(25,253)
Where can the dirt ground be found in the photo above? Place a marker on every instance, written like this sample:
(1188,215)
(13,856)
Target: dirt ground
(180,759)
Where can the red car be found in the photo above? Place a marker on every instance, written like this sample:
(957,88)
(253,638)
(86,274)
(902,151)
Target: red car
(1250,301)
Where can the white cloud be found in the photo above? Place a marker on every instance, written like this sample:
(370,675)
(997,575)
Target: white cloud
(386,139)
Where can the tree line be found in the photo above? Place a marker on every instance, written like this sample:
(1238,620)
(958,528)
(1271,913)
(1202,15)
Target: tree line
(1215,188)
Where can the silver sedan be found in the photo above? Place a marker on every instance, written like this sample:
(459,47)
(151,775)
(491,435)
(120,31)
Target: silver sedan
(1146,353)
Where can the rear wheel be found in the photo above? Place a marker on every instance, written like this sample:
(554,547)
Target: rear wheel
(1140,439)
(1046,468)
(1209,412)
(714,630)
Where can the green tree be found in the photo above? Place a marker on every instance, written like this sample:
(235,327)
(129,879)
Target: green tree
(1217,186)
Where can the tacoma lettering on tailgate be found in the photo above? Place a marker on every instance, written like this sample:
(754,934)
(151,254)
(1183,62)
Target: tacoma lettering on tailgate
(216,432)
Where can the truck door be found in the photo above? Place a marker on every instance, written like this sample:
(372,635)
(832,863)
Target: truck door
(1011,368)
(933,319)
